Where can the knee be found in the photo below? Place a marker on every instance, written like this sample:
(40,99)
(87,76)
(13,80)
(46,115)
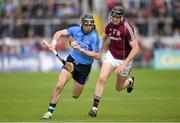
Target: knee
(75,96)
(119,89)
(102,80)
(59,86)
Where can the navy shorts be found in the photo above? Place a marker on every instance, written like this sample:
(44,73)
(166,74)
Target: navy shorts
(81,71)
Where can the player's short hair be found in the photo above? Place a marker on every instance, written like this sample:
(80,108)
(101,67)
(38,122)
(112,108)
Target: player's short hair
(117,11)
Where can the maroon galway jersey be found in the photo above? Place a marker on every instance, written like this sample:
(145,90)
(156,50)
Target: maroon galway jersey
(120,36)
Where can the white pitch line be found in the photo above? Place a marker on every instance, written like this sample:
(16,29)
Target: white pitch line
(104,99)
(93,122)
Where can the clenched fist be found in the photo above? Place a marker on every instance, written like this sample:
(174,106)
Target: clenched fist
(74,44)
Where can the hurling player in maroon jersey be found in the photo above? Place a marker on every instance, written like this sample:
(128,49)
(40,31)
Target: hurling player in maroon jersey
(122,48)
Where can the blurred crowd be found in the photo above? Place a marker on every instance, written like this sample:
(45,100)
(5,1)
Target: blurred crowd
(29,18)
(147,13)
(24,23)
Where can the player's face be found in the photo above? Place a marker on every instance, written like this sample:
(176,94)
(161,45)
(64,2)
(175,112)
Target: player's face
(87,28)
(116,20)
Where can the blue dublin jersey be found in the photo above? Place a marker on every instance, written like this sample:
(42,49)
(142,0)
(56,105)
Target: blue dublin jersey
(89,42)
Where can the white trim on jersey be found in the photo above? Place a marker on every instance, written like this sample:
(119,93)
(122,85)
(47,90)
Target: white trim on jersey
(130,30)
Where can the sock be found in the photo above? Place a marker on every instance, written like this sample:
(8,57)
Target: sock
(130,81)
(96,101)
(51,107)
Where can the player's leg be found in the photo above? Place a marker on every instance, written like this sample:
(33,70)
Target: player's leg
(64,76)
(122,80)
(77,89)
(80,76)
(106,70)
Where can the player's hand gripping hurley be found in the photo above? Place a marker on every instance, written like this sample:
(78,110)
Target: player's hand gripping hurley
(67,65)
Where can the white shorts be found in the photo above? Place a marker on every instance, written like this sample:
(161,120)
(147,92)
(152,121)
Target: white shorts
(116,62)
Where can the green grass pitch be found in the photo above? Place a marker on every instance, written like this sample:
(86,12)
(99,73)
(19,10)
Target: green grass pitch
(24,97)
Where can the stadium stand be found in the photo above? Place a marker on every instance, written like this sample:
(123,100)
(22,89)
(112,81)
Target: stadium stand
(24,23)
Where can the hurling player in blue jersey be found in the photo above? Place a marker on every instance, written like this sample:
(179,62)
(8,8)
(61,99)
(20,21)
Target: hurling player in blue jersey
(82,58)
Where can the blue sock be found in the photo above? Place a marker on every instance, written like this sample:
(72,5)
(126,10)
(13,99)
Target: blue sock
(51,107)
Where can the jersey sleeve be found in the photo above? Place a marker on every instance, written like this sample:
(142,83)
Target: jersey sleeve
(71,30)
(129,32)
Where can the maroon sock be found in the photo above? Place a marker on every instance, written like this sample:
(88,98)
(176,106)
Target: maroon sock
(96,101)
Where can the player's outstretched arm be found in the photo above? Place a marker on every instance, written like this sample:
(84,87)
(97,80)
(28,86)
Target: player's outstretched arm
(76,46)
(91,54)
(56,37)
